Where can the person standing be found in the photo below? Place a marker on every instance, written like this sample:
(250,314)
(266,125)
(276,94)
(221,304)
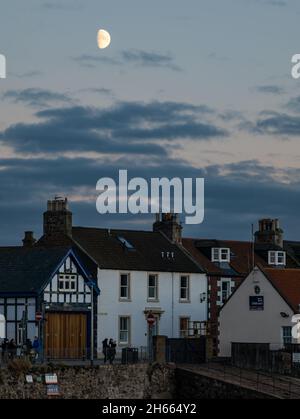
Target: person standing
(12,349)
(36,347)
(105,349)
(4,348)
(112,350)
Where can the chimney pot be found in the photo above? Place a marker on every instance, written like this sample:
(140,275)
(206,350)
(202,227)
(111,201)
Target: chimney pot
(29,240)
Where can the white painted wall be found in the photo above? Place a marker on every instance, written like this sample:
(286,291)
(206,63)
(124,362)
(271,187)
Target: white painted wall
(238,323)
(110,307)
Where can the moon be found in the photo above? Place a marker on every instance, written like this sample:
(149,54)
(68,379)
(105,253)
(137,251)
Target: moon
(104,39)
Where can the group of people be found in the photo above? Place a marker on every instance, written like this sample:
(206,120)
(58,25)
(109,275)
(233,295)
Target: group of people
(109,350)
(9,349)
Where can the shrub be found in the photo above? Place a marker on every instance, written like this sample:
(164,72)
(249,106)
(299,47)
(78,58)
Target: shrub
(19,366)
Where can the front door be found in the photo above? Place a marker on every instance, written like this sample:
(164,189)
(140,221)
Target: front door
(66,336)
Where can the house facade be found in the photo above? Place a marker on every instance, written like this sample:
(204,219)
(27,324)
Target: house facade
(138,272)
(261,310)
(228,262)
(47,292)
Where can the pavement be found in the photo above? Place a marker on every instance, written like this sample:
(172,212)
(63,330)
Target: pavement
(279,386)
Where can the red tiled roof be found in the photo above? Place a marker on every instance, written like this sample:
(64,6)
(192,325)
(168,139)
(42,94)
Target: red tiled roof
(287,283)
(241,262)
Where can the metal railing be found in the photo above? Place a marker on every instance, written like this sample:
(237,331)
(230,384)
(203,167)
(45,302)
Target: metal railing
(286,387)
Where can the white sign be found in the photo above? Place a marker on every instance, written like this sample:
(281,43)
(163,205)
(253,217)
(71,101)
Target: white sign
(2,327)
(296,357)
(29,379)
(50,378)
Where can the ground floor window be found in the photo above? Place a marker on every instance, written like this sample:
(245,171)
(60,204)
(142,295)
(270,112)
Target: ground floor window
(287,335)
(124,330)
(184,327)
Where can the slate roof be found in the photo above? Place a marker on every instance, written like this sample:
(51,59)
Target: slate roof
(150,250)
(241,256)
(27,270)
(287,283)
(293,247)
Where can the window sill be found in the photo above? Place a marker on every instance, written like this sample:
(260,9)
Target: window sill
(185,301)
(125,300)
(152,300)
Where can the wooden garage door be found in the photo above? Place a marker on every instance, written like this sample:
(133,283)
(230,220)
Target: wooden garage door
(65,335)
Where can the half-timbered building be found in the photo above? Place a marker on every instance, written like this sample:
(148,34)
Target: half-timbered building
(49,293)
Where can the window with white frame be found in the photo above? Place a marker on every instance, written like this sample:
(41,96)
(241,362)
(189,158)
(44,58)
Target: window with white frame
(225,290)
(184,288)
(124,330)
(220,254)
(153,287)
(125,286)
(277,258)
(287,335)
(67,283)
(184,327)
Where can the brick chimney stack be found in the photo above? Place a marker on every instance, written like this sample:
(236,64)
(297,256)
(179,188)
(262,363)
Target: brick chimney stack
(169,224)
(58,219)
(29,240)
(269,232)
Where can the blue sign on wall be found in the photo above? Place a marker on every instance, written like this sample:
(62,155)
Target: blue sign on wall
(256,303)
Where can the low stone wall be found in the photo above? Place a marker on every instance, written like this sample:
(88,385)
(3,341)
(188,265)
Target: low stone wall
(191,385)
(139,381)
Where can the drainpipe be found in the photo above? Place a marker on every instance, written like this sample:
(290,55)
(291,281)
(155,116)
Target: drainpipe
(172,304)
(92,326)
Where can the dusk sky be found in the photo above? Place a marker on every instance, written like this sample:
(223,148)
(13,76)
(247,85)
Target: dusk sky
(194,88)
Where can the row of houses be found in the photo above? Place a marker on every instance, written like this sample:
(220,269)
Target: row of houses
(76,286)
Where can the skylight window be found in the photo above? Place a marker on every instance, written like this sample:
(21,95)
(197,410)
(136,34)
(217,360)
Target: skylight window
(126,243)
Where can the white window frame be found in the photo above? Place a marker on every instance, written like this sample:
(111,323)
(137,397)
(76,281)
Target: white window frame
(275,255)
(155,287)
(67,278)
(228,282)
(127,298)
(284,336)
(123,330)
(187,288)
(184,333)
(217,254)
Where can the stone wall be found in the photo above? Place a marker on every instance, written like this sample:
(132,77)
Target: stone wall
(102,382)
(190,385)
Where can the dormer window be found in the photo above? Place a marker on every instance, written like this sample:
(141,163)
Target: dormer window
(220,254)
(277,258)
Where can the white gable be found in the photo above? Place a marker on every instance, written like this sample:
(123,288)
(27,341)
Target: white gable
(240,321)
(68,285)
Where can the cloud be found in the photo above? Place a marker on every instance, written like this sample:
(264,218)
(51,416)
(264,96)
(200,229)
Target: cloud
(236,195)
(275,123)
(270,89)
(28,74)
(97,90)
(135,57)
(35,97)
(294,104)
(127,127)
(91,61)
(149,59)
(275,3)
(67,5)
